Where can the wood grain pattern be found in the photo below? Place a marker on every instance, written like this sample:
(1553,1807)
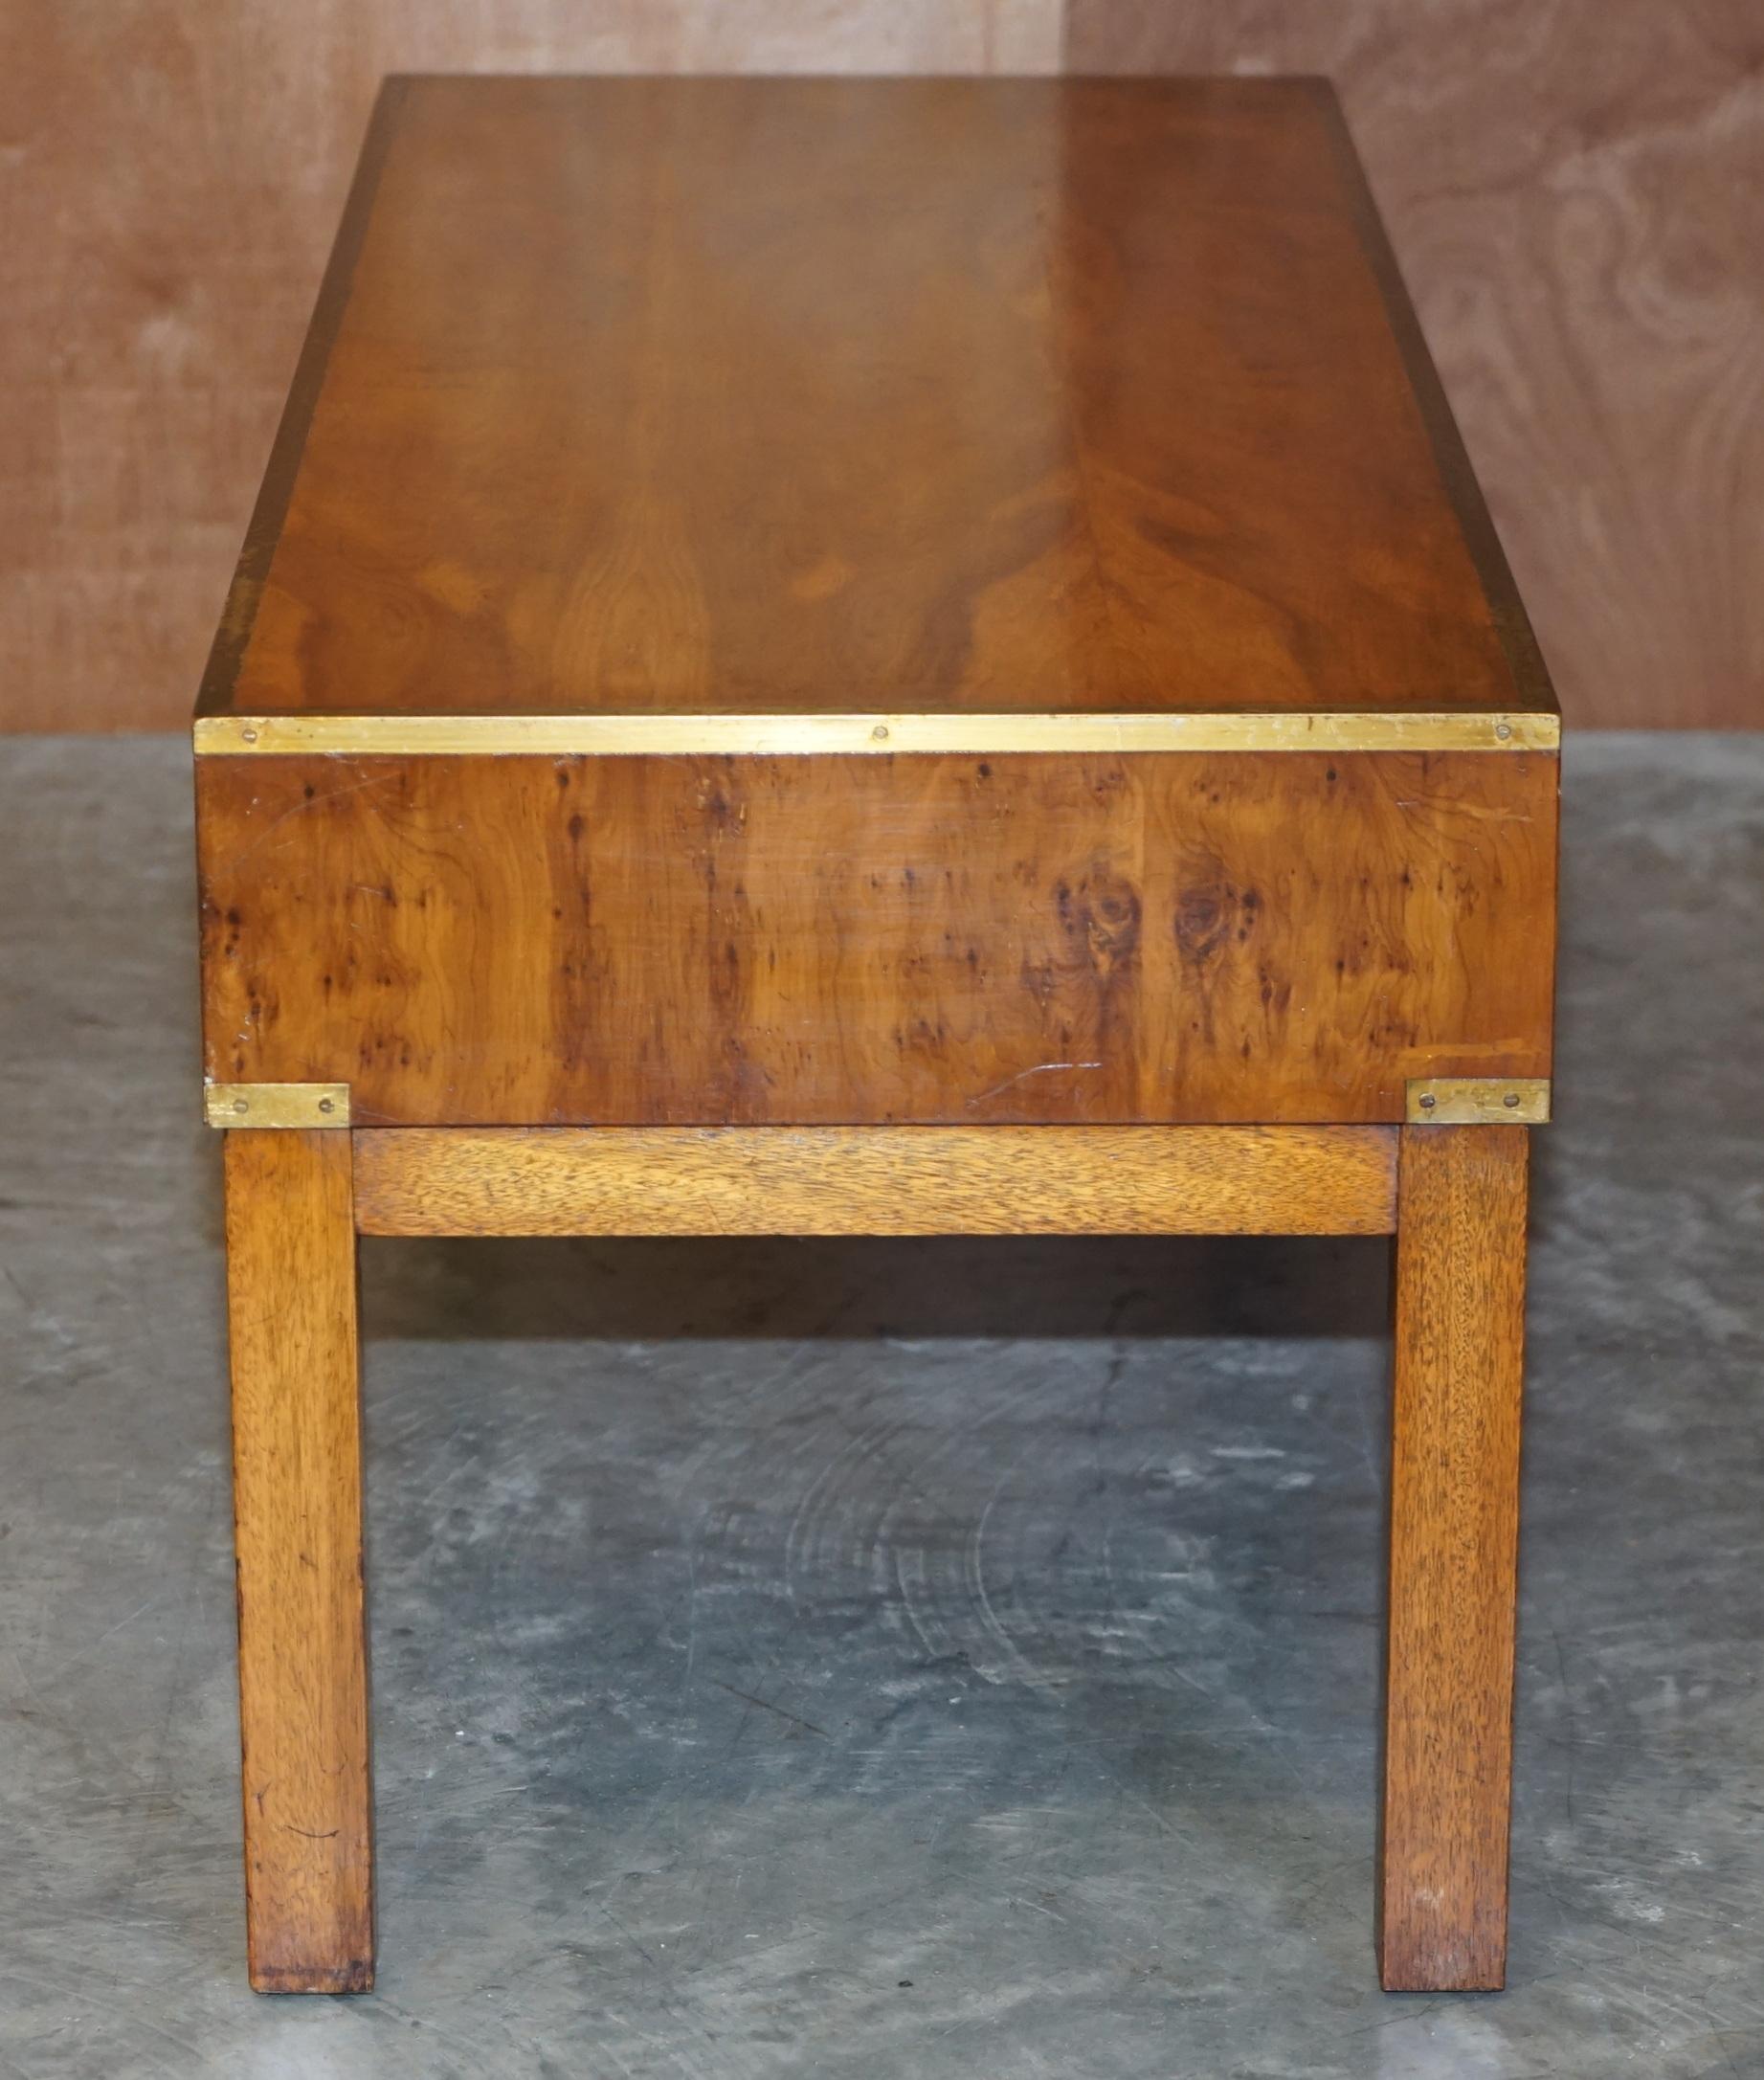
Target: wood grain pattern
(1460,1337)
(794,395)
(676,941)
(156,290)
(298,1517)
(1574,190)
(877,1180)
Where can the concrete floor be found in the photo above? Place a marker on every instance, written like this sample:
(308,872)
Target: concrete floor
(887,1659)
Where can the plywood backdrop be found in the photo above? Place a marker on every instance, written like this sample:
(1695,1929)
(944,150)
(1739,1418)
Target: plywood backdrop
(1576,189)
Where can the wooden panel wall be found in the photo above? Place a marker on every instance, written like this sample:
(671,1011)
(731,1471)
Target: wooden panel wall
(1574,187)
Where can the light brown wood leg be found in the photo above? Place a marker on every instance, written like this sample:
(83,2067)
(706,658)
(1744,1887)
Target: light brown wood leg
(298,1516)
(1454,1533)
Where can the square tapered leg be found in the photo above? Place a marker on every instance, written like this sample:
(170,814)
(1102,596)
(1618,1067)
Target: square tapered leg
(297,1513)
(1454,1533)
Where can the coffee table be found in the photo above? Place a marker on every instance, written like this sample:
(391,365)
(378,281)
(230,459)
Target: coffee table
(833,656)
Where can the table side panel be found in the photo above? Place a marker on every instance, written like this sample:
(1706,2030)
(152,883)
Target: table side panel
(1149,938)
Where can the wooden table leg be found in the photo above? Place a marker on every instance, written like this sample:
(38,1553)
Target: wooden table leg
(1454,1533)
(297,1513)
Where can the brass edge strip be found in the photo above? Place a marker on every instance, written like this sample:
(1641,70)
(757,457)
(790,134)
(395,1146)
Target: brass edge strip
(276,1105)
(772,736)
(1461,1101)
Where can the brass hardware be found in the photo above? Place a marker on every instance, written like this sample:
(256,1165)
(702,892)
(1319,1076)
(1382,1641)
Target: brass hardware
(781,736)
(1458,1101)
(276,1105)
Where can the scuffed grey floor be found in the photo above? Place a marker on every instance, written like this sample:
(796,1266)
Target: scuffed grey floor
(892,1659)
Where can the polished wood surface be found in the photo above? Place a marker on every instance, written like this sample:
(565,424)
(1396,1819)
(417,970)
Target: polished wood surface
(632,396)
(877,1180)
(298,1521)
(1459,1337)
(662,941)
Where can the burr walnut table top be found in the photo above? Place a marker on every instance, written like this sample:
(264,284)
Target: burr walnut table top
(661,397)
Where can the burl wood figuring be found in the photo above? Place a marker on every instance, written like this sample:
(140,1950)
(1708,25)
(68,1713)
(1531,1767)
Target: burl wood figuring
(859,656)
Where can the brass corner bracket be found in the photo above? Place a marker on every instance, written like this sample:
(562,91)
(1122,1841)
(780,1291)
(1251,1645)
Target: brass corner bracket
(1460,1101)
(276,1105)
